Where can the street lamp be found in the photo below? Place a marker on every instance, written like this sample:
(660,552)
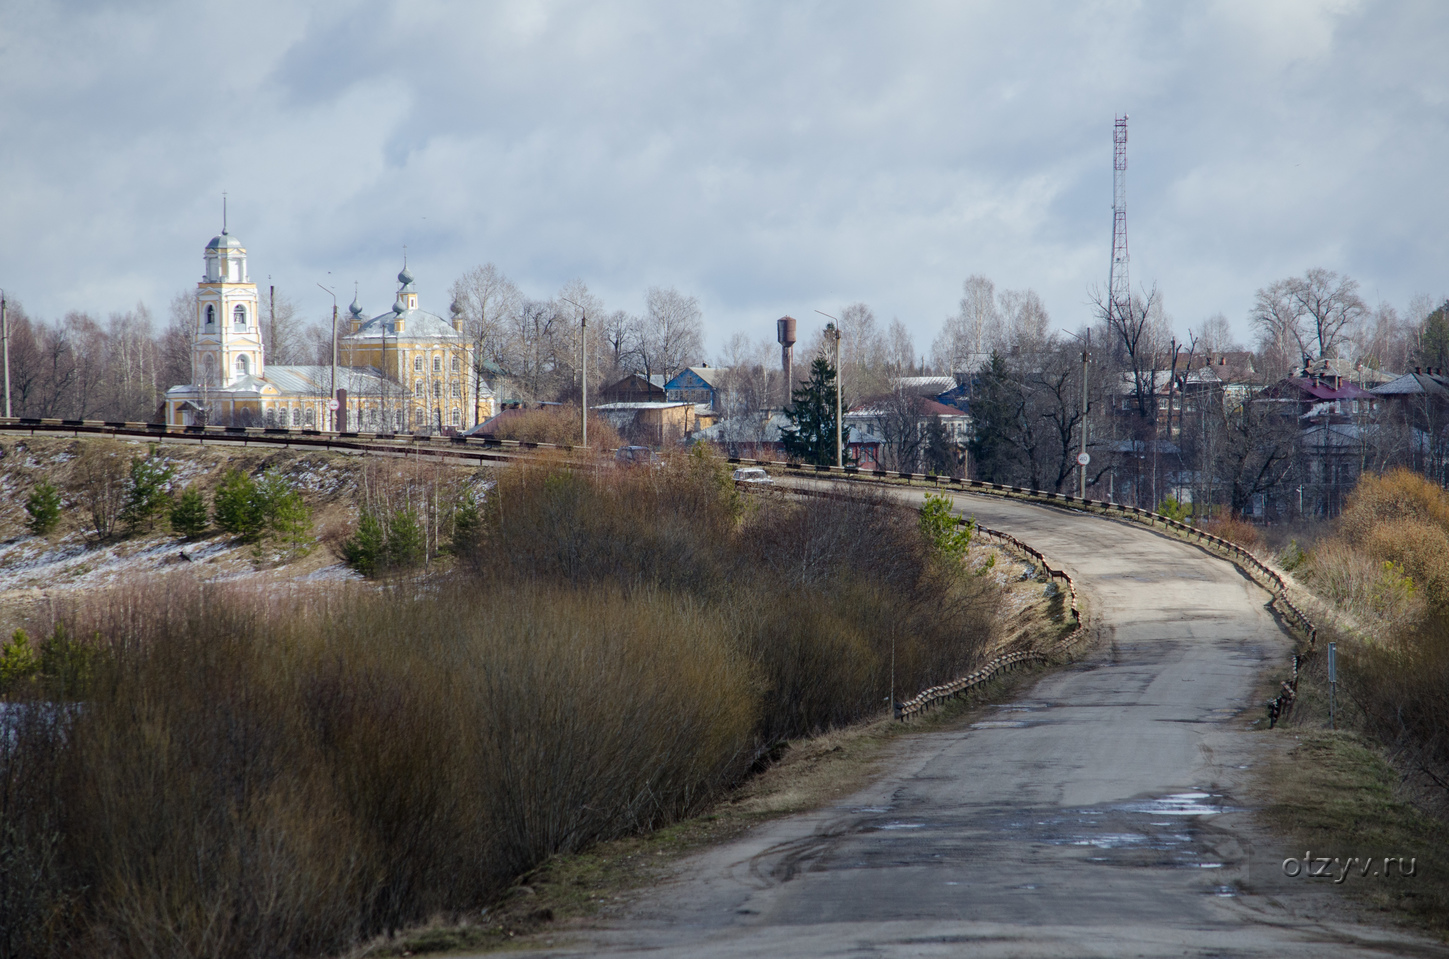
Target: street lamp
(584,367)
(832,333)
(5,339)
(1082,458)
(333,398)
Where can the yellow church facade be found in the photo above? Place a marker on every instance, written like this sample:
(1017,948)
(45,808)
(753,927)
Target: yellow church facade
(406,370)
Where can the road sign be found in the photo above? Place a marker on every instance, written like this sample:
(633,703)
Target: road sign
(1083,459)
(332,404)
(1333,662)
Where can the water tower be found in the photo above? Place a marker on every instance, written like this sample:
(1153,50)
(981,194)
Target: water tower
(785,333)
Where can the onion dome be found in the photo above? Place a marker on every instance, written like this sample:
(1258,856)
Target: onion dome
(457,307)
(399,307)
(356,308)
(405,277)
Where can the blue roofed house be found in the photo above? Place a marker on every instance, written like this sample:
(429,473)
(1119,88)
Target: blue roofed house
(697,384)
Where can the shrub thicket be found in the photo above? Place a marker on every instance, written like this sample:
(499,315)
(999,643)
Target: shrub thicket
(253,778)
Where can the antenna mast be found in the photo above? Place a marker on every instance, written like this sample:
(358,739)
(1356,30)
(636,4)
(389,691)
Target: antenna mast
(1121,290)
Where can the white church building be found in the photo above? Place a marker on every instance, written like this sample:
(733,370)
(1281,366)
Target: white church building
(405,370)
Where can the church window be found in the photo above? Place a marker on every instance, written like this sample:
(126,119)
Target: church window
(457,365)
(418,388)
(457,389)
(242,366)
(210,315)
(457,417)
(437,364)
(309,417)
(437,387)
(417,364)
(418,419)
(271,418)
(296,417)
(239,318)
(208,376)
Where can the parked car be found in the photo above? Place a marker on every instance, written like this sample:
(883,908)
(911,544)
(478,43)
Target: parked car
(752,474)
(628,456)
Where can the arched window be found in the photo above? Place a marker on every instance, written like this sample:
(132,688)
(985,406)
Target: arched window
(457,364)
(457,417)
(417,364)
(296,417)
(210,316)
(239,318)
(418,419)
(437,387)
(457,389)
(437,364)
(418,388)
(272,418)
(208,374)
(243,367)
(309,417)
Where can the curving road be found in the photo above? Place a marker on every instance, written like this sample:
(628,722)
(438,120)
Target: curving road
(1104,813)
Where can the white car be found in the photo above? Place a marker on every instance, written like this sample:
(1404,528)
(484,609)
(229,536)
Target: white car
(752,474)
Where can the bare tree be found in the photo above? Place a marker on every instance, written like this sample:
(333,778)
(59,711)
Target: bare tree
(672,336)
(174,362)
(1025,325)
(620,333)
(286,343)
(1136,330)
(486,300)
(1314,312)
(900,349)
(967,338)
(1215,335)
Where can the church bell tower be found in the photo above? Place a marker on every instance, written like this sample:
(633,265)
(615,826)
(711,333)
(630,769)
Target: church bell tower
(228,342)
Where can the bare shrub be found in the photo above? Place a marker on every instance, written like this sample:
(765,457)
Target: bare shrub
(1376,592)
(254,779)
(1233,529)
(560,425)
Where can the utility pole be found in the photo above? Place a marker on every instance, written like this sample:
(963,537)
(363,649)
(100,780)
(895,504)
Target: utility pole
(5,339)
(1082,459)
(584,367)
(832,333)
(332,398)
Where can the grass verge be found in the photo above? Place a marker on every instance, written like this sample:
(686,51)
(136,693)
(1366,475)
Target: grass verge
(1335,794)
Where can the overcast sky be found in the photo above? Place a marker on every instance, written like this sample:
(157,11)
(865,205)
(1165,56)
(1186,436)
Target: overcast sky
(767,157)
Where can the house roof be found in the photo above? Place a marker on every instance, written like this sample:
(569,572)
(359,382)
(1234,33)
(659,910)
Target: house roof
(417,325)
(928,407)
(662,405)
(1416,383)
(709,375)
(925,385)
(1317,389)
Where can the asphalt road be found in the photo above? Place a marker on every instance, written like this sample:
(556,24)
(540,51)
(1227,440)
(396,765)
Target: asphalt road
(1104,813)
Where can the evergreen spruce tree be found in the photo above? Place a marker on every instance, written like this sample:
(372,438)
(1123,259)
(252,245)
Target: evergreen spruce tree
(148,492)
(43,505)
(188,513)
(993,412)
(810,437)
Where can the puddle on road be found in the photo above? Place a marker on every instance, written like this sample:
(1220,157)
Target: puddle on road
(1000,724)
(1179,804)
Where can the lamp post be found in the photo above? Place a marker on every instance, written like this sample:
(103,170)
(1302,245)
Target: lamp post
(1082,458)
(832,333)
(333,397)
(5,339)
(584,369)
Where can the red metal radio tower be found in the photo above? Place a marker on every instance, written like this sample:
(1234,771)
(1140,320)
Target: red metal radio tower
(1121,290)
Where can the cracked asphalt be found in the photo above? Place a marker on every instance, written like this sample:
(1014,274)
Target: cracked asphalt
(1104,813)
